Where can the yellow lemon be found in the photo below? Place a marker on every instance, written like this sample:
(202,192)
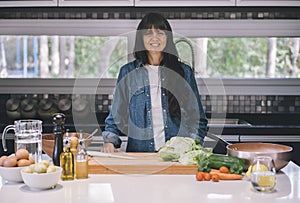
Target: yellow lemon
(262,167)
(266,181)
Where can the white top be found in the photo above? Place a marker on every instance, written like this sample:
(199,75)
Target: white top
(157,115)
(125,188)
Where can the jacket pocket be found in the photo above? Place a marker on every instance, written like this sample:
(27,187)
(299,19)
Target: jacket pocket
(137,107)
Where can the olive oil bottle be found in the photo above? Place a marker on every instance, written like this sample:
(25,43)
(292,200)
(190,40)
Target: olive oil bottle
(67,160)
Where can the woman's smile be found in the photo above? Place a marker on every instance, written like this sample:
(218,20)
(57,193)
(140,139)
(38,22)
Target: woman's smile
(154,44)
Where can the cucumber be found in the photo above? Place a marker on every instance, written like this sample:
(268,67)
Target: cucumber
(234,164)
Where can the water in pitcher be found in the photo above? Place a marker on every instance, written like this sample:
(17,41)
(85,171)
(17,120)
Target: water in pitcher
(32,143)
(28,135)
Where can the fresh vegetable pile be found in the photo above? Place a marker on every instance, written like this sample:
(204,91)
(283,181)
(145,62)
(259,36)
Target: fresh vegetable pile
(184,150)
(210,166)
(215,161)
(220,167)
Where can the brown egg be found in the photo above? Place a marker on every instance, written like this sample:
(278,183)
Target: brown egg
(11,161)
(22,154)
(23,162)
(2,159)
(31,160)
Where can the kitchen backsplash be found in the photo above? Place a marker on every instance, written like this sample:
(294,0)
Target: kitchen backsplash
(234,104)
(137,13)
(251,104)
(102,103)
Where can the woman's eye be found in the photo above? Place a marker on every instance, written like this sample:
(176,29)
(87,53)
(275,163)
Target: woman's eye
(148,33)
(161,33)
(158,33)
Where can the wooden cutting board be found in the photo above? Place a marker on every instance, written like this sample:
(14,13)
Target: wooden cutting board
(143,163)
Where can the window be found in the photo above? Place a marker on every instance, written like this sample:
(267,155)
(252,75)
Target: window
(90,56)
(91,49)
(242,57)
(61,56)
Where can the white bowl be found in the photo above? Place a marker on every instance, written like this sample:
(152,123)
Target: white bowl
(12,174)
(42,180)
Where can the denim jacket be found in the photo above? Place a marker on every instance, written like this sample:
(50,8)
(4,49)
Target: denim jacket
(130,114)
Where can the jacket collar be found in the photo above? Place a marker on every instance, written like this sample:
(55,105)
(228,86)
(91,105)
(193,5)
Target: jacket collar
(138,63)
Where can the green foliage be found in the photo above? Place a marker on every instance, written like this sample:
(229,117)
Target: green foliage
(247,58)
(87,55)
(118,58)
(284,58)
(237,57)
(88,50)
(226,57)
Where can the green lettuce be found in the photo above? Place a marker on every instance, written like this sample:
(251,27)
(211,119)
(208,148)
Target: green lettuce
(184,150)
(192,157)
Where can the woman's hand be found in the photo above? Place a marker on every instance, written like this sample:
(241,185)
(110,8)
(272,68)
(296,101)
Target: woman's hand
(109,148)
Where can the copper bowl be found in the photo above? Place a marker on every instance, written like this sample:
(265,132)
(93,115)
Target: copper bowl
(281,154)
(48,141)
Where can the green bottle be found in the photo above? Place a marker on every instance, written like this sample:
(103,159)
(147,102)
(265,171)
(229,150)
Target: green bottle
(67,160)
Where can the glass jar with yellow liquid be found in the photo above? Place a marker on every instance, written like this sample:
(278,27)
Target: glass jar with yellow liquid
(81,164)
(263,174)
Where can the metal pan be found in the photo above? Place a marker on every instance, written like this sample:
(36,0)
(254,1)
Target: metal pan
(281,154)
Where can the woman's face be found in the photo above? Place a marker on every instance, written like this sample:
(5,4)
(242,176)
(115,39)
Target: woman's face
(155,40)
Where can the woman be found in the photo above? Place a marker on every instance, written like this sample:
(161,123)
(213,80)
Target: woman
(156,96)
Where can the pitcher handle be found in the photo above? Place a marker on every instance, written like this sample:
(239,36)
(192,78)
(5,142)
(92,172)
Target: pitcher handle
(7,128)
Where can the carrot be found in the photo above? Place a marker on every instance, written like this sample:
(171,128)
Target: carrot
(224,169)
(215,177)
(226,176)
(207,176)
(199,176)
(215,171)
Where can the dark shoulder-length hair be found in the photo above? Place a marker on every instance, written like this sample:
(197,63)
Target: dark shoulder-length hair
(170,54)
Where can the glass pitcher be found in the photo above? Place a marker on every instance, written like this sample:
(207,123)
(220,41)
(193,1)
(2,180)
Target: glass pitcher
(28,135)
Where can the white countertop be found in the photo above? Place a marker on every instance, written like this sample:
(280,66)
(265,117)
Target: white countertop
(156,189)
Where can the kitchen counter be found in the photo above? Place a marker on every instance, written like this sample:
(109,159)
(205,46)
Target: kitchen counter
(156,188)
